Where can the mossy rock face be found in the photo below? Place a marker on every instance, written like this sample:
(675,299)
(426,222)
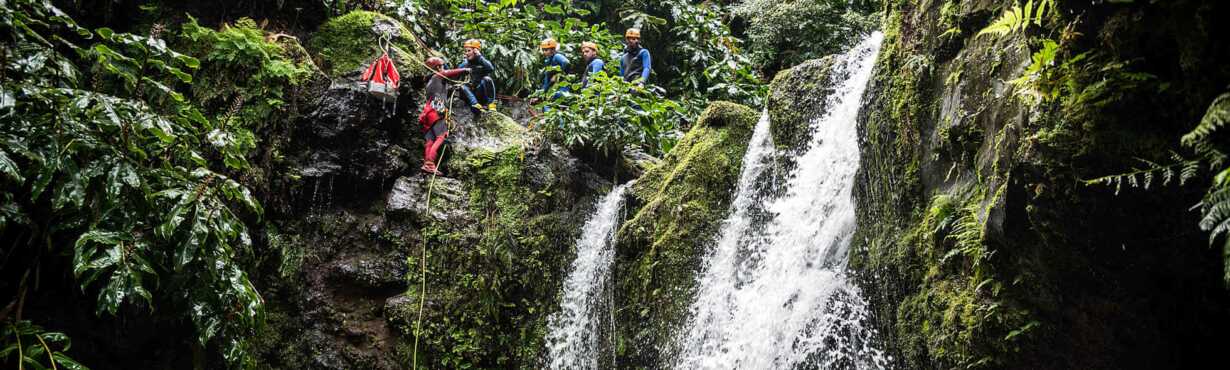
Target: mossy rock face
(796,96)
(348,43)
(976,230)
(677,207)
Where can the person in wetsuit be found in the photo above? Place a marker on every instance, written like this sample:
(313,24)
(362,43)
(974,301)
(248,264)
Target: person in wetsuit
(481,90)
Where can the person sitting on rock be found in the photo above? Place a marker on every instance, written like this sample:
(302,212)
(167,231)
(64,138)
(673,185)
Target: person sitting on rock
(480,77)
(549,49)
(589,51)
(636,63)
(434,127)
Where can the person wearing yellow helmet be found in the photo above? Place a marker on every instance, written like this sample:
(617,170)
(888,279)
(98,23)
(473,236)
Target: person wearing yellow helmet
(480,77)
(549,48)
(636,62)
(593,64)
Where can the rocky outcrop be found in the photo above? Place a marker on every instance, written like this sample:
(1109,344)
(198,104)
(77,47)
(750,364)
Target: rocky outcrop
(979,244)
(675,210)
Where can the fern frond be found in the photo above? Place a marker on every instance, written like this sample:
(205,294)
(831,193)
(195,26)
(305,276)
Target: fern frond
(1016,19)
(1005,24)
(1042,10)
(1217,116)
(1216,207)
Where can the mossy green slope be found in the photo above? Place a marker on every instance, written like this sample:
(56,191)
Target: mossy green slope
(348,42)
(676,208)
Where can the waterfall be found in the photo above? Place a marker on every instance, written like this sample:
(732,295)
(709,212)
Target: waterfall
(572,338)
(773,293)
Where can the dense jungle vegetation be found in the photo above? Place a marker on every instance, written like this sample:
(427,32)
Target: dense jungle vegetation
(144,144)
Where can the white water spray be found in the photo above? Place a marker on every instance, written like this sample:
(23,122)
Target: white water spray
(573,332)
(773,293)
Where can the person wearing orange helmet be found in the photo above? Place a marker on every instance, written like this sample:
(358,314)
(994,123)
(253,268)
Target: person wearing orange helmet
(636,62)
(480,77)
(550,51)
(435,129)
(593,64)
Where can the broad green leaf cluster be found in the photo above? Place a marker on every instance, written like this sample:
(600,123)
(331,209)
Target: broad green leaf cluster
(109,156)
(611,114)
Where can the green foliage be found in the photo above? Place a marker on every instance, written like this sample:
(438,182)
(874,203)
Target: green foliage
(1215,207)
(611,114)
(1017,19)
(785,33)
(30,345)
(714,68)
(1144,177)
(102,145)
(244,78)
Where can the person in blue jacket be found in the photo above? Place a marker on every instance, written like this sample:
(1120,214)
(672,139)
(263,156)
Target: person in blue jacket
(589,51)
(636,63)
(480,77)
(550,51)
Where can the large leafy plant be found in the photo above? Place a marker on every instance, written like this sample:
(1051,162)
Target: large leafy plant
(103,158)
(611,114)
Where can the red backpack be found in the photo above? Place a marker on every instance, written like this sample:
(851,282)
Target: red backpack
(382,78)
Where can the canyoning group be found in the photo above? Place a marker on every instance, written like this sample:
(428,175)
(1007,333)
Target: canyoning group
(479,88)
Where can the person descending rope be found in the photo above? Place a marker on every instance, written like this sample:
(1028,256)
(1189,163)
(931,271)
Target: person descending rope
(435,128)
(480,78)
(550,51)
(589,51)
(636,63)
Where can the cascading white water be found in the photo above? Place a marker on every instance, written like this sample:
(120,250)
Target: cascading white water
(572,338)
(773,293)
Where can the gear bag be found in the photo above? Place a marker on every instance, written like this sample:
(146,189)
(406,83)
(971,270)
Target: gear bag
(382,78)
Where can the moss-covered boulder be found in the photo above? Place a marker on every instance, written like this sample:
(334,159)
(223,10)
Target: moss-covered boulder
(796,96)
(676,209)
(347,43)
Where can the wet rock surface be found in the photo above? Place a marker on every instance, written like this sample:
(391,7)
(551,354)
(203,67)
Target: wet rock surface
(361,223)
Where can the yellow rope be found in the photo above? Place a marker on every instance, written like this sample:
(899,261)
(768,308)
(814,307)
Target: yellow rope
(431,185)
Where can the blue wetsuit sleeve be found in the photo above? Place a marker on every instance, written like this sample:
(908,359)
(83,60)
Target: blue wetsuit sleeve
(621,67)
(596,66)
(464,64)
(487,64)
(647,65)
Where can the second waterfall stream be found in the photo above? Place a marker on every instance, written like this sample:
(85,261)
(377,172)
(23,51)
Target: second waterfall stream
(572,337)
(773,293)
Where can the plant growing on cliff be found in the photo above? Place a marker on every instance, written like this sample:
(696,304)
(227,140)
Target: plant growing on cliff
(1017,19)
(104,159)
(611,114)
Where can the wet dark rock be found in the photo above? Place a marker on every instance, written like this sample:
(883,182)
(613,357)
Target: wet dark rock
(409,198)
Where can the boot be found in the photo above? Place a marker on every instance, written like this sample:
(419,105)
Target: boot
(429,167)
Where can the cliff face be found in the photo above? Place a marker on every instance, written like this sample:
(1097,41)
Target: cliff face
(980,244)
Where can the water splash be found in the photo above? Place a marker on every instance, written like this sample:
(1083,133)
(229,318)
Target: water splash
(573,332)
(774,293)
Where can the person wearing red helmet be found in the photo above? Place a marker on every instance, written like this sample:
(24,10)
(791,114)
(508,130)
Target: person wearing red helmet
(435,129)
